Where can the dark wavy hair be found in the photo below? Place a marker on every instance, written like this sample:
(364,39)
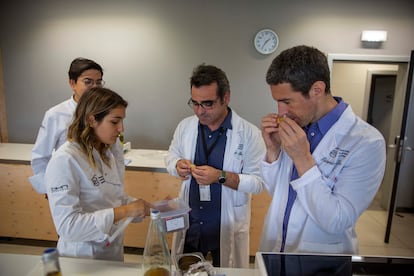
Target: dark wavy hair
(301,66)
(97,102)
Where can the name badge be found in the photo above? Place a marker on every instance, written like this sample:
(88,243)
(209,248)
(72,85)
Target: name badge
(205,194)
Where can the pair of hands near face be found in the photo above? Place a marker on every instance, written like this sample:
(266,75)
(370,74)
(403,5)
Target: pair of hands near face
(282,132)
(204,175)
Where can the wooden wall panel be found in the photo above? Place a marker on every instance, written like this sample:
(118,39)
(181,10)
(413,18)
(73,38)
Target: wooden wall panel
(150,186)
(260,204)
(25,214)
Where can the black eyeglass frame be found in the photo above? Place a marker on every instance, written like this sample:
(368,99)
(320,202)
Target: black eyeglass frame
(207,105)
(90,82)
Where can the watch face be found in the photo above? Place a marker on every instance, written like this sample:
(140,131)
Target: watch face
(266,41)
(222,177)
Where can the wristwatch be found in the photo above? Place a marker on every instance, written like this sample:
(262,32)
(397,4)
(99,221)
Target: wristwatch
(222,177)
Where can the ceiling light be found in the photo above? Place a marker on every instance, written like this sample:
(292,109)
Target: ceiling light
(374,36)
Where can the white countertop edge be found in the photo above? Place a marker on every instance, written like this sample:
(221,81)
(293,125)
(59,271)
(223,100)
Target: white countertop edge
(22,264)
(140,159)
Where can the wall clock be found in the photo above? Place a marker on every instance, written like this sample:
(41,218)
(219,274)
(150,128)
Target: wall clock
(266,41)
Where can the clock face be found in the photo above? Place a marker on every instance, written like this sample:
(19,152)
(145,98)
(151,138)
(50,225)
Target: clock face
(266,41)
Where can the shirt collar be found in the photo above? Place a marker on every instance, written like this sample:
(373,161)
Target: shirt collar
(325,123)
(226,124)
(227,121)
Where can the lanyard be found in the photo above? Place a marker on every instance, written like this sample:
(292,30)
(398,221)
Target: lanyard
(207,151)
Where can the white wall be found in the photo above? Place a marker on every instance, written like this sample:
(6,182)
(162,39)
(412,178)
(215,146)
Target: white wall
(149,48)
(349,81)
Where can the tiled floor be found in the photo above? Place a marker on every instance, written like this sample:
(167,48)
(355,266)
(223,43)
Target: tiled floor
(370,228)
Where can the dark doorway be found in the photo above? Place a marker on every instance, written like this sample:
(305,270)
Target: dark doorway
(380,111)
(381,103)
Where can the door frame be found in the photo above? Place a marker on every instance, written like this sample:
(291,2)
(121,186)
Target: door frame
(332,57)
(371,58)
(4,135)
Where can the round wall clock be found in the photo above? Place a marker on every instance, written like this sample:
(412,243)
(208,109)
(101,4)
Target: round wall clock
(266,41)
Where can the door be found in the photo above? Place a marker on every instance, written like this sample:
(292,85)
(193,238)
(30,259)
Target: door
(4,137)
(402,195)
(405,190)
(350,81)
(353,81)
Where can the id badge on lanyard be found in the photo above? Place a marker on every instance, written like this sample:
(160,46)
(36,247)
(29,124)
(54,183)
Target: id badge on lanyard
(205,194)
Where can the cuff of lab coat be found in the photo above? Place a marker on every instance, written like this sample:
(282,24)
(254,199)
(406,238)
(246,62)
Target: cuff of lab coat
(38,183)
(130,199)
(104,220)
(267,164)
(307,178)
(171,166)
(174,169)
(243,183)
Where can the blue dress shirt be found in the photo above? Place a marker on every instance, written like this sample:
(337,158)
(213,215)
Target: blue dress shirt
(314,133)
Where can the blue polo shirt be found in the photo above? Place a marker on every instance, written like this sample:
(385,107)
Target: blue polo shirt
(205,216)
(314,132)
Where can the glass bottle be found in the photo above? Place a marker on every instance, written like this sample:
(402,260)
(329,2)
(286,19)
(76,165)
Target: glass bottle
(50,259)
(156,257)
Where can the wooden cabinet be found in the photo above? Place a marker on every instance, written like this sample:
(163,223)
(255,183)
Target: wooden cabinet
(151,186)
(25,214)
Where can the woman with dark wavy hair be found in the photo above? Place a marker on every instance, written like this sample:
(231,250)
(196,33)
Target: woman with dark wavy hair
(85,180)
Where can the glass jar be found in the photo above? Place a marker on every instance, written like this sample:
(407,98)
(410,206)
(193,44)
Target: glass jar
(50,259)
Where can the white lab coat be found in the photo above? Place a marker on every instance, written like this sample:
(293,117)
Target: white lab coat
(350,163)
(82,199)
(52,134)
(243,154)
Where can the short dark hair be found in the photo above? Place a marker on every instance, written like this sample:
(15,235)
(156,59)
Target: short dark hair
(79,65)
(208,74)
(301,66)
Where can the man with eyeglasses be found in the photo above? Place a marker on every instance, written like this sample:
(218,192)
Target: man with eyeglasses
(217,154)
(83,74)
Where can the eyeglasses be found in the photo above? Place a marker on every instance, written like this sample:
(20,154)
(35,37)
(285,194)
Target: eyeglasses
(204,104)
(90,82)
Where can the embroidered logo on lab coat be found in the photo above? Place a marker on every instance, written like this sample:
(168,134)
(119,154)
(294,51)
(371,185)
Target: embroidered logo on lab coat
(59,189)
(97,180)
(336,156)
(238,153)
